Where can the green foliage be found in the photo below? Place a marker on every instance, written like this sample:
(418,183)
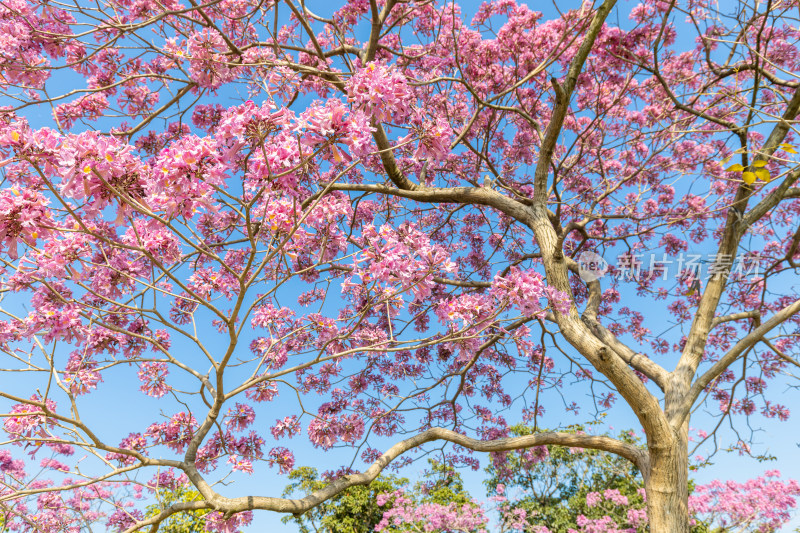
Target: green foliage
(186,522)
(356,509)
(353,511)
(553,490)
(442,485)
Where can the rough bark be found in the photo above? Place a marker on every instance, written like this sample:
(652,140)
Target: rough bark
(667,484)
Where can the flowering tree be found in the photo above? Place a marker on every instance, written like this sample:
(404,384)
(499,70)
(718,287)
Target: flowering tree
(376,226)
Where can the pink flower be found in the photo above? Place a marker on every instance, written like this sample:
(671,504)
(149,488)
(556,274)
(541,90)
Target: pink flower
(28,420)
(593,499)
(289,426)
(434,140)
(240,417)
(11,466)
(264,391)
(24,218)
(325,430)
(283,458)
(54,465)
(381,92)
(153,376)
(241,464)
(176,433)
(521,289)
(429,517)
(216,524)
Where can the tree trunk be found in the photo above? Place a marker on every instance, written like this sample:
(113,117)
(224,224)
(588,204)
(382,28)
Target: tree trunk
(667,485)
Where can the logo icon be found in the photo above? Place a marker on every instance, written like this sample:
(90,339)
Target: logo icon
(591,266)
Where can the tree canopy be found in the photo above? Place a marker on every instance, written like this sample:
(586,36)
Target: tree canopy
(385,227)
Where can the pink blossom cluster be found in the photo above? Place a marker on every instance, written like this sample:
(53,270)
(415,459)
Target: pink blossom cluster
(381,92)
(429,517)
(208,66)
(23,217)
(30,36)
(761,504)
(283,458)
(153,377)
(217,523)
(176,433)
(68,509)
(241,452)
(522,290)
(166,479)
(30,420)
(326,430)
(399,261)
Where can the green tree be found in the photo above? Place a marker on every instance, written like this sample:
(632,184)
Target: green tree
(356,510)
(353,511)
(441,484)
(187,522)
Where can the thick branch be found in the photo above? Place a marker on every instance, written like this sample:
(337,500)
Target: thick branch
(389,162)
(735,226)
(638,361)
(563,95)
(377,23)
(611,362)
(735,316)
(602,357)
(725,361)
(298,506)
(780,192)
(456,195)
(155,521)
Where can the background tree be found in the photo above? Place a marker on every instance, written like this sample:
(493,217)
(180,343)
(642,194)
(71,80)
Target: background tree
(248,209)
(191,522)
(551,483)
(362,509)
(353,511)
